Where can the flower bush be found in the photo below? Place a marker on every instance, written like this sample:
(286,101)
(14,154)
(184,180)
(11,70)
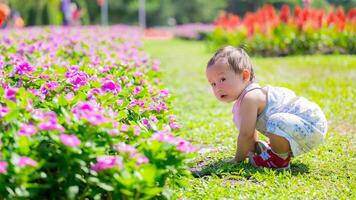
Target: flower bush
(83,115)
(194,31)
(304,31)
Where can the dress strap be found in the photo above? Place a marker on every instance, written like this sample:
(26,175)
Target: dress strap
(249,88)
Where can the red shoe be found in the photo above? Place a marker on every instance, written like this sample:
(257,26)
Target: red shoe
(261,146)
(269,160)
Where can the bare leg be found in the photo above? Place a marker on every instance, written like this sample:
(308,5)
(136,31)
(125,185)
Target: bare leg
(279,144)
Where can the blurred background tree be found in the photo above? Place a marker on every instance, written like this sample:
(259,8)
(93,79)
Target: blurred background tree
(158,12)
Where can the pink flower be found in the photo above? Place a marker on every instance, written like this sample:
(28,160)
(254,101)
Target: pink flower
(94,91)
(50,115)
(164,136)
(50,125)
(138,74)
(172,118)
(26,161)
(95,61)
(24,67)
(71,70)
(124,128)
(69,140)
(86,106)
(184,146)
(174,125)
(137,130)
(10,94)
(27,130)
(35,92)
(89,112)
(164,93)
(161,106)
(120,102)
(110,86)
(136,102)
(145,122)
(44,90)
(29,106)
(52,85)
(181,145)
(3,111)
(126,148)
(107,162)
(141,160)
(2,62)
(137,90)
(155,66)
(3,167)
(77,78)
(125,79)
(95,118)
(153,119)
(69,96)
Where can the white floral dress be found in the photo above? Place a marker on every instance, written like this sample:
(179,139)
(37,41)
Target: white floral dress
(295,118)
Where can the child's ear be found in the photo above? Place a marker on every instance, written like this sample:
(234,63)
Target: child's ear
(246,74)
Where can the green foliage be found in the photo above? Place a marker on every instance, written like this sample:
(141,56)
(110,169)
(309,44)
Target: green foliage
(159,11)
(38,12)
(287,40)
(187,11)
(42,12)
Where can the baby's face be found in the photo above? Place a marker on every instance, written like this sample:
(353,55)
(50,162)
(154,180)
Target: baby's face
(226,84)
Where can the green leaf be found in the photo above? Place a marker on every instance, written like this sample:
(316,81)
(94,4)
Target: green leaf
(62,101)
(152,191)
(122,115)
(105,186)
(24,144)
(72,191)
(12,115)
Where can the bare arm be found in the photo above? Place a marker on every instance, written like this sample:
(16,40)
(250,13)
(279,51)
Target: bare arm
(248,136)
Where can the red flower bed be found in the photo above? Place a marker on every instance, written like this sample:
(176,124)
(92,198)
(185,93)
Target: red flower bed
(267,18)
(299,31)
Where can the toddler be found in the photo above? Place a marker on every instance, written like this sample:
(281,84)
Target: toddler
(293,124)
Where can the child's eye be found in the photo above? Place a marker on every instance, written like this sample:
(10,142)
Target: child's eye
(212,84)
(222,79)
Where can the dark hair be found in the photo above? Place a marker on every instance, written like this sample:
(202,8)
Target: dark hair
(236,58)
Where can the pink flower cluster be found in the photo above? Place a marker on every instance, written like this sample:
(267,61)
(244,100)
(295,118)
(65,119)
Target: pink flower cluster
(3,167)
(132,151)
(107,162)
(27,130)
(172,122)
(90,112)
(70,140)
(76,77)
(3,110)
(181,145)
(107,93)
(110,86)
(22,161)
(49,122)
(26,161)
(24,68)
(10,94)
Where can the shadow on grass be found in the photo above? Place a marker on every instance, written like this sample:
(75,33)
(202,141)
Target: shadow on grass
(221,168)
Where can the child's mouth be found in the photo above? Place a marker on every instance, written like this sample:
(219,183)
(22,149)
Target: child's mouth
(223,96)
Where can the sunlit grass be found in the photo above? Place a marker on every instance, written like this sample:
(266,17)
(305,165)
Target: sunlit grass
(326,172)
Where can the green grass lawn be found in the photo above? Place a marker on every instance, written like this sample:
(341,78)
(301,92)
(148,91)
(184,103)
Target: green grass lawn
(328,172)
